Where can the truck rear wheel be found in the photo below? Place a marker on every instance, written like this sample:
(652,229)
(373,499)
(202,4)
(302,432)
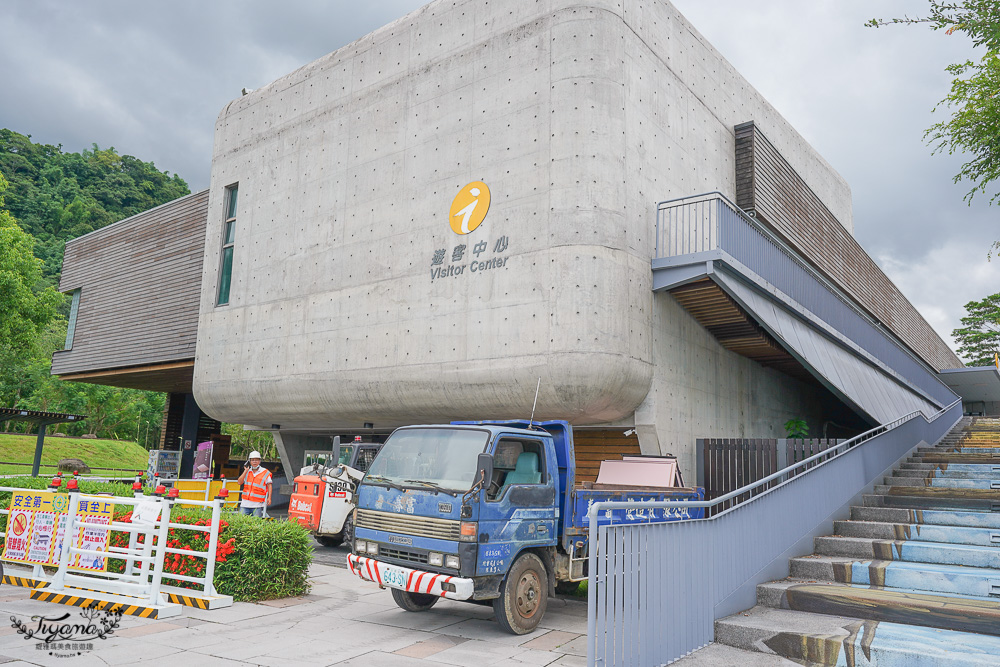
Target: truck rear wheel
(413,601)
(523,597)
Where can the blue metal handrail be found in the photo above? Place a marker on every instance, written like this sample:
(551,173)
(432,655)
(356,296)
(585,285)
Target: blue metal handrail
(830,455)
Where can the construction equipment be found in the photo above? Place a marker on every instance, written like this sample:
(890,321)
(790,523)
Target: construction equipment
(324,494)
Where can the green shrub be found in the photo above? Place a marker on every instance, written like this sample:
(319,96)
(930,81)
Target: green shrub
(796,428)
(256,559)
(271,559)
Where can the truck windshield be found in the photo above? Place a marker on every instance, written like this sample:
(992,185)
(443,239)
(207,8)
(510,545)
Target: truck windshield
(438,456)
(345,454)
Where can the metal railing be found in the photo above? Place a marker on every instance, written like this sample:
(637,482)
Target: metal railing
(656,589)
(127,472)
(710,221)
(141,580)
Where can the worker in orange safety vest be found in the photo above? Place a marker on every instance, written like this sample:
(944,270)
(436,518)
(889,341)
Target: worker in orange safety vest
(256,481)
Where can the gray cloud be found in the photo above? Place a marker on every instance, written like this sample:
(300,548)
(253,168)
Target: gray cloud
(150,79)
(863,97)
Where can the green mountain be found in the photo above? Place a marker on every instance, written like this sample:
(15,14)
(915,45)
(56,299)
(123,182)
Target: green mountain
(57,196)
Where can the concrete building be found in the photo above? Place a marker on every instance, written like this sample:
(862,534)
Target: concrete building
(484,198)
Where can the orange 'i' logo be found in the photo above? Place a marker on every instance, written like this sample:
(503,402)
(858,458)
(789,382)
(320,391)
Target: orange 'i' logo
(469,207)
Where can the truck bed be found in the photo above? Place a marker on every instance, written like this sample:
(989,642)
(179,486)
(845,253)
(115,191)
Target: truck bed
(585,495)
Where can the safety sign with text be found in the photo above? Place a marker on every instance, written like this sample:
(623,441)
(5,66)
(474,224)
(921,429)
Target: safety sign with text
(36,527)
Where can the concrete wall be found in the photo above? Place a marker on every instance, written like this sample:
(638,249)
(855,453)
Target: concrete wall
(701,390)
(579,117)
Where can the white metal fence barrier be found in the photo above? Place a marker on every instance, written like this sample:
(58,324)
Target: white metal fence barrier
(656,589)
(140,584)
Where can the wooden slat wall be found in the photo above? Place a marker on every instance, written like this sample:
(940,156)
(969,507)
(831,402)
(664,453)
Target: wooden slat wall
(735,329)
(594,446)
(732,463)
(767,185)
(140,282)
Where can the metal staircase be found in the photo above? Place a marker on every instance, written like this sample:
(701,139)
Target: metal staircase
(912,578)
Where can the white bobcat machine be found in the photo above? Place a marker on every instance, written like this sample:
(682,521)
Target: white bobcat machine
(325,492)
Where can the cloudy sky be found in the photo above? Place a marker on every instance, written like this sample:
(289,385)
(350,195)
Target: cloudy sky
(150,79)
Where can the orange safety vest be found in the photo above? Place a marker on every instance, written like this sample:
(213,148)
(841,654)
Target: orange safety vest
(255,485)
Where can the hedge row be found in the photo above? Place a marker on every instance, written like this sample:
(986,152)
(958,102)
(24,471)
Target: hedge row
(256,559)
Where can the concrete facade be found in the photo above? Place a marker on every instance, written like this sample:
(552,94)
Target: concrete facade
(579,117)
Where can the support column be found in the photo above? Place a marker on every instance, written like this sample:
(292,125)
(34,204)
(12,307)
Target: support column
(38,449)
(292,449)
(189,433)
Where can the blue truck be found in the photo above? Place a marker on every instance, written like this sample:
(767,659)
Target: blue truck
(487,512)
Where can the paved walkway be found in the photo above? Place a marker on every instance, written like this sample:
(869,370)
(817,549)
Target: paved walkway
(343,621)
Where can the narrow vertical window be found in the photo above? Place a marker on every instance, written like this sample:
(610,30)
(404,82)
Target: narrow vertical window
(71,328)
(228,236)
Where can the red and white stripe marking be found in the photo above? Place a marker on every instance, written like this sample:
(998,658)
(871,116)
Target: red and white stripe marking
(417,581)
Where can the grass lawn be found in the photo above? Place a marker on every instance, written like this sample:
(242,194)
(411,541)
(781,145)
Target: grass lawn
(117,454)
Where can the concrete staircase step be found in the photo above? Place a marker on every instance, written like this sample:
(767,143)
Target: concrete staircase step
(961,614)
(963,448)
(927,517)
(766,629)
(922,577)
(956,467)
(954,458)
(983,537)
(942,482)
(951,472)
(720,655)
(940,503)
(912,551)
(820,639)
(938,492)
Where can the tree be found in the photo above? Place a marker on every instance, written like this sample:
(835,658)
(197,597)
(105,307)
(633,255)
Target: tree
(243,442)
(25,307)
(974,99)
(59,196)
(979,337)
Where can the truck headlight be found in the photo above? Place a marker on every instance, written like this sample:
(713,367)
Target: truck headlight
(452,562)
(435,559)
(373,549)
(360,546)
(468,531)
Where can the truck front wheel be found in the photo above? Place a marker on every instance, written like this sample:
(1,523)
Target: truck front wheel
(523,596)
(413,601)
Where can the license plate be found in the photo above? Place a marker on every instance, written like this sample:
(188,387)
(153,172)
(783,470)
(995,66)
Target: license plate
(392,576)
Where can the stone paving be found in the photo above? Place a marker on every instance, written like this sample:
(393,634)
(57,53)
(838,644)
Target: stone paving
(343,621)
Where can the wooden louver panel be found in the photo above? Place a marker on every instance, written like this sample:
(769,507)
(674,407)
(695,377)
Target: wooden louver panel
(594,446)
(735,329)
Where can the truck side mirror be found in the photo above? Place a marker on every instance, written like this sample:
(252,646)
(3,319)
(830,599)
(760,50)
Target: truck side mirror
(484,466)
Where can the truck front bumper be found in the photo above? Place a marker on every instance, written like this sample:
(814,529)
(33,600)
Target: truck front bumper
(413,581)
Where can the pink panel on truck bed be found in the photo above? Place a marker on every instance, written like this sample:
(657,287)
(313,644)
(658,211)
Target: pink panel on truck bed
(639,472)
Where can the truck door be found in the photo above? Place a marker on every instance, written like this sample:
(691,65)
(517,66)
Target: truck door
(519,509)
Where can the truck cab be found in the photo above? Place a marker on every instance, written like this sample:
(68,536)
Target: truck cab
(446,510)
(478,511)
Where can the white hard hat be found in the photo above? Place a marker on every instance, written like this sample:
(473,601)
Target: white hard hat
(255,455)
